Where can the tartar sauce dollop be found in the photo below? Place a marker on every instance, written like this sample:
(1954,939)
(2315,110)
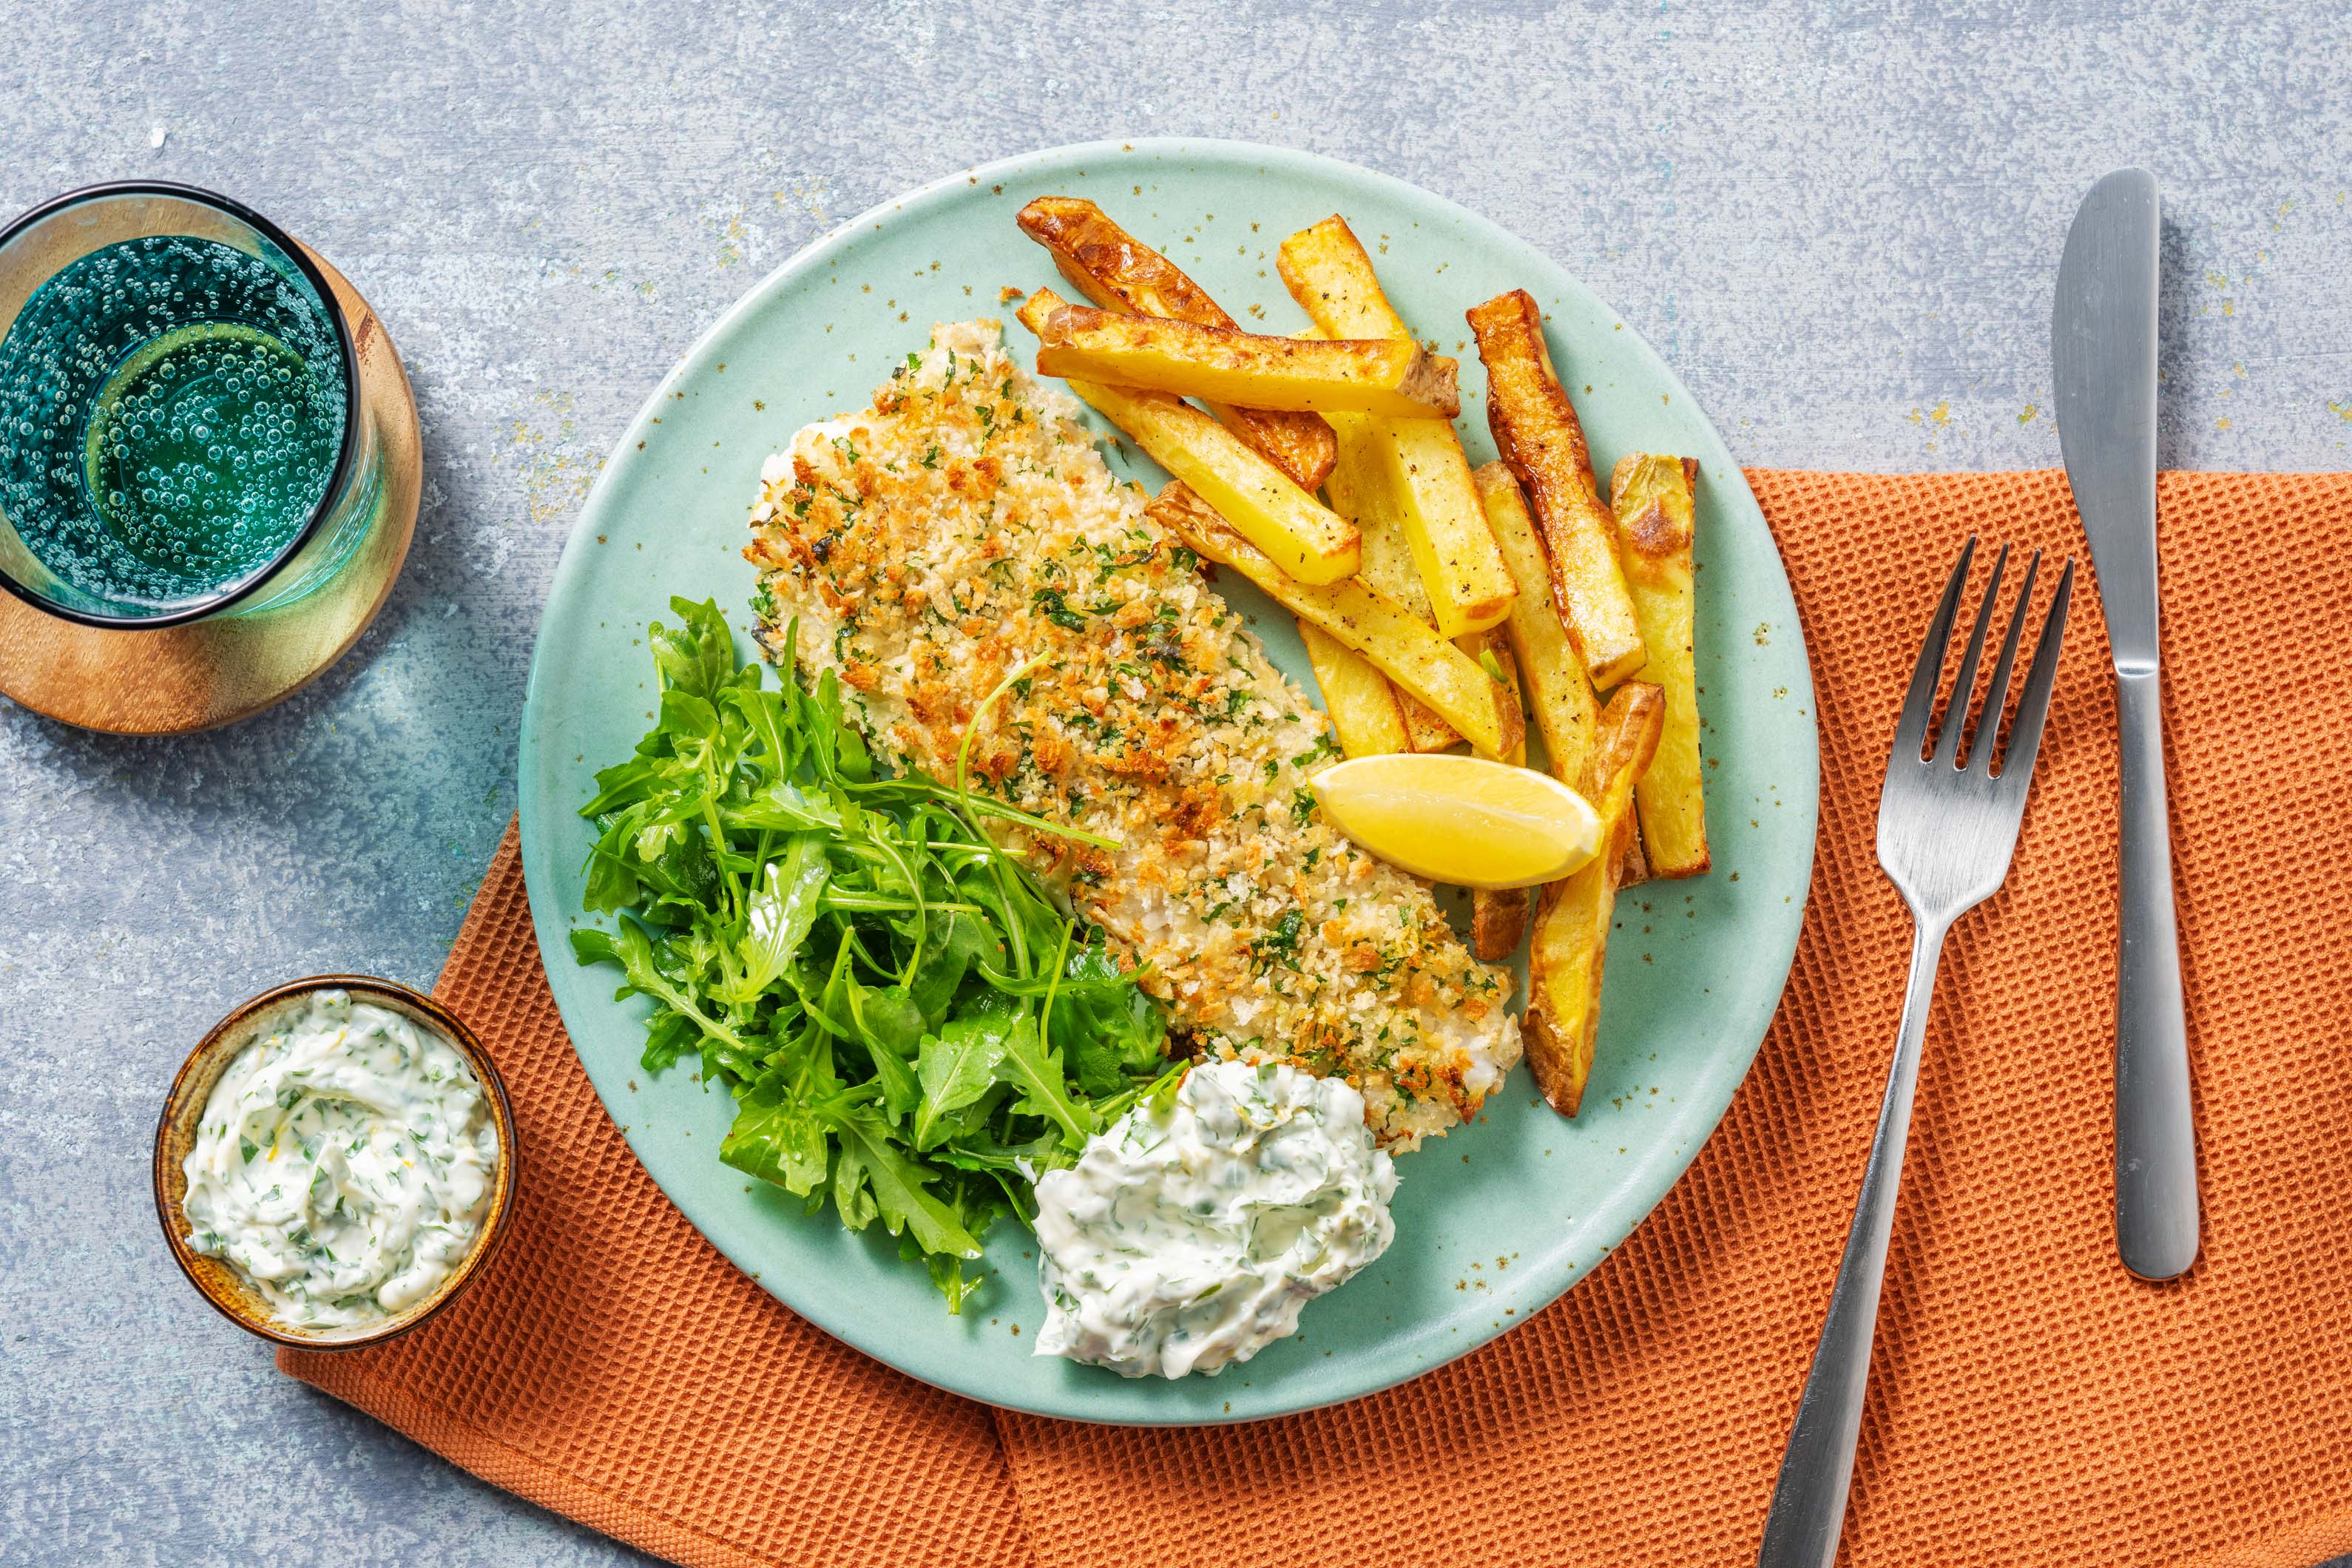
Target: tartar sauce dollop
(1187,1239)
(342,1164)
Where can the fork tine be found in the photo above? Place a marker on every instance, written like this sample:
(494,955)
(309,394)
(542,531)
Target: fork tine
(1911,729)
(1996,694)
(1964,685)
(2033,706)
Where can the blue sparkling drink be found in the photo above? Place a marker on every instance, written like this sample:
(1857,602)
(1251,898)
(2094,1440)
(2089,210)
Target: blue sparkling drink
(171,409)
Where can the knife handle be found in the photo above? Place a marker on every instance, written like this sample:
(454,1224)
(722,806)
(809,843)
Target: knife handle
(2155,1138)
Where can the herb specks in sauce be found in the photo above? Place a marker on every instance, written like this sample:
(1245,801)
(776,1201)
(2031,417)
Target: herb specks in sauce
(342,1164)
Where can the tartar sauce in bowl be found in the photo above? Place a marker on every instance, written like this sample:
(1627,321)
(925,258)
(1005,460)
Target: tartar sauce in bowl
(1187,1239)
(343,1164)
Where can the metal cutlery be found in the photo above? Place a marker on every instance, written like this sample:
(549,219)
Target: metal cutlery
(2103,353)
(1946,827)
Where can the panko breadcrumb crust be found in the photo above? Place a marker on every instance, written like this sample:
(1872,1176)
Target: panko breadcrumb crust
(965,525)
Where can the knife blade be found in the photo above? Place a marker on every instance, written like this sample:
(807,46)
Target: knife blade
(2103,333)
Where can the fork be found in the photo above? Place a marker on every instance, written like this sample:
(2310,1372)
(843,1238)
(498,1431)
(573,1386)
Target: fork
(1946,828)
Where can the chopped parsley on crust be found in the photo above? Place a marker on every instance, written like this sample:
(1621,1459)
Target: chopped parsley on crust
(965,525)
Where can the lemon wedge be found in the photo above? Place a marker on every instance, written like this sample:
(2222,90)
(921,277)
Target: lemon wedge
(1464,821)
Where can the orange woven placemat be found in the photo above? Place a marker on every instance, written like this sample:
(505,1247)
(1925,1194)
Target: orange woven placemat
(2030,1403)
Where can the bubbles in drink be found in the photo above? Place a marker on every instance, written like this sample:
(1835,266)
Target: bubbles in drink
(205,452)
(170,410)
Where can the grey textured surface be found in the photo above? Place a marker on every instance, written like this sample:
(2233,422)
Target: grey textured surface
(1840,224)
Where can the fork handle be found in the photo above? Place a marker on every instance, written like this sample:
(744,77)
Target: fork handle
(1809,1501)
(2155,1137)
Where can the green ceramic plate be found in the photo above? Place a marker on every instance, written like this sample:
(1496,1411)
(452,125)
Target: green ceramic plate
(1492,1223)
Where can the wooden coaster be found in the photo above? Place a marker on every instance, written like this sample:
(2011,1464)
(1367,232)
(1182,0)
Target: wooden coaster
(218,670)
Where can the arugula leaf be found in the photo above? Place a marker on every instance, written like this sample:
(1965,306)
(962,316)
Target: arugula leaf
(669,1037)
(853,1199)
(590,945)
(957,1068)
(1036,1072)
(781,808)
(627,784)
(892,1027)
(1041,1154)
(781,912)
(777,1141)
(611,881)
(1110,1028)
(837,746)
(698,657)
(952,942)
(898,1187)
(680,867)
(1029,925)
(634,950)
(691,722)
(901,1092)
(890,1018)
(947,1278)
(970,1126)
(1161,1097)
(765,720)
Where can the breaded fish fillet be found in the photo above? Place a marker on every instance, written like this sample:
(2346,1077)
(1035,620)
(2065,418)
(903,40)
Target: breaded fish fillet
(964,524)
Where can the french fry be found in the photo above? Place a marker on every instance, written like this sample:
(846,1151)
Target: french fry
(1359,492)
(1498,922)
(1636,869)
(1326,271)
(1560,696)
(1491,651)
(1423,727)
(1498,916)
(1655,512)
(1572,935)
(1224,364)
(1306,537)
(1358,699)
(1400,645)
(1537,433)
(1119,272)
(1468,589)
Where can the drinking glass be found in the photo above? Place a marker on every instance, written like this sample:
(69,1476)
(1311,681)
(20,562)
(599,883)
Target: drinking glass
(203,432)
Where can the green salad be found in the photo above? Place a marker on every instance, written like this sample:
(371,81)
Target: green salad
(910,1022)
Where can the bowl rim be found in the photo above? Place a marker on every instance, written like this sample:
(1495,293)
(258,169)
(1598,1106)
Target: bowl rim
(173,1218)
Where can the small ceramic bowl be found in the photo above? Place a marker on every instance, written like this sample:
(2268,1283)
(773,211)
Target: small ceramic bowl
(183,1107)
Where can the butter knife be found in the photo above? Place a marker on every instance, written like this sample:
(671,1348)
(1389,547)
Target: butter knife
(2103,348)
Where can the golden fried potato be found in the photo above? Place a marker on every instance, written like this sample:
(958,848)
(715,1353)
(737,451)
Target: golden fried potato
(1572,935)
(1537,432)
(1225,364)
(1358,491)
(1636,869)
(1498,916)
(1423,465)
(1306,537)
(1491,651)
(1358,698)
(1655,509)
(1548,664)
(1329,272)
(1119,272)
(1498,922)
